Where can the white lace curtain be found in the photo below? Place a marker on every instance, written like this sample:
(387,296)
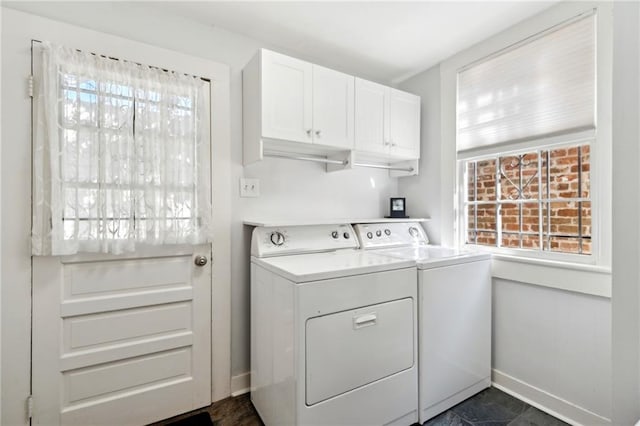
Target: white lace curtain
(121,156)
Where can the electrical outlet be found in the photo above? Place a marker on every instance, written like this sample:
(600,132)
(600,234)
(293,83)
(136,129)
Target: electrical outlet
(249,187)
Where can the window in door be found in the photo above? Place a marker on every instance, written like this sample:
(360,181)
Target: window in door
(121,156)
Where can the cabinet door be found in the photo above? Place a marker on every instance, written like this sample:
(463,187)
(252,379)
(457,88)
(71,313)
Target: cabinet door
(404,124)
(286,103)
(333,94)
(371,116)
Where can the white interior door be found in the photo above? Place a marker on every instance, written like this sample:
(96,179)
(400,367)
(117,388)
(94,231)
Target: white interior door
(121,339)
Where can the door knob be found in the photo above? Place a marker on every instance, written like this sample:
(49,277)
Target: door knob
(200,260)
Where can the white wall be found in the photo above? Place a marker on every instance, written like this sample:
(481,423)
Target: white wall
(289,189)
(626,204)
(424,192)
(550,346)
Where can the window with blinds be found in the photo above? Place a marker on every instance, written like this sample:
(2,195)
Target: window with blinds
(542,86)
(526,118)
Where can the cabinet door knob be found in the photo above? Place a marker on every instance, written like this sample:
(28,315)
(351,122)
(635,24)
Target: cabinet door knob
(309,132)
(318,133)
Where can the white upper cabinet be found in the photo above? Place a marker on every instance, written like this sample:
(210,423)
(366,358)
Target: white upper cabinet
(404,123)
(291,106)
(372,116)
(387,120)
(287,85)
(333,114)
(303,102)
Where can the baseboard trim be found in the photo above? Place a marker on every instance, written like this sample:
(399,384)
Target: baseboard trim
(240,384)
(547,402)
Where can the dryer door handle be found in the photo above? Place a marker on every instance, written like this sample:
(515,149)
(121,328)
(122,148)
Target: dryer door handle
(365,320)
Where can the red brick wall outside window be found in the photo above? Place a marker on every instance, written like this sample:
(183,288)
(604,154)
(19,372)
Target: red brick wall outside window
(537,200)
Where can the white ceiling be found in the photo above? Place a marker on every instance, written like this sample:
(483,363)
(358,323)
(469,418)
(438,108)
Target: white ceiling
(384,40)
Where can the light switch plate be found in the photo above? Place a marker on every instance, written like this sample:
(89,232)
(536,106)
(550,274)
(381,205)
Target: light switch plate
(249,187)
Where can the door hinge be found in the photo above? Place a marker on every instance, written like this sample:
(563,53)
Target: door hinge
(30,86)
(30,406)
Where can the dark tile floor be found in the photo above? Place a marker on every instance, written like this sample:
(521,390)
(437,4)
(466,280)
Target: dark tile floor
(490,407)
(493,407)
(232,411)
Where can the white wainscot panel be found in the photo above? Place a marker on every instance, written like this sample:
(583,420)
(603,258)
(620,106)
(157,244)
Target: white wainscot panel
(556,341)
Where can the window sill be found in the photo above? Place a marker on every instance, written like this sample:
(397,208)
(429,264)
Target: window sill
(578,278)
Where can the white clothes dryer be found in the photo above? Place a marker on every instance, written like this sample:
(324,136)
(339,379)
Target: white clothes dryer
(333,330)
(454,313)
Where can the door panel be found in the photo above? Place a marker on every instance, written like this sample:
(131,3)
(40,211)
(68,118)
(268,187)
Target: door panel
(333,113)
(111,332)
(103,382)
(124,325)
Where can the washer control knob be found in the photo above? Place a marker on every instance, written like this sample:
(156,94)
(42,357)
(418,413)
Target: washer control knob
(335,235)
(369,235)
(378,233)
(387,232)
(346,235)
(277,238)
(413,231)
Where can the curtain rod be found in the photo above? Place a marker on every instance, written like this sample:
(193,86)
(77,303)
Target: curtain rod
(133,62)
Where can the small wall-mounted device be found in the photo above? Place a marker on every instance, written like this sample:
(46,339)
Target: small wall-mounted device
(397,208)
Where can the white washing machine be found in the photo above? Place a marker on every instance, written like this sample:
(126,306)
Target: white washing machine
(333,330)
(454,313)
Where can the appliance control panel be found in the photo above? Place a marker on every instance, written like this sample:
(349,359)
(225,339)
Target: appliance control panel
(270,241)
(390,234)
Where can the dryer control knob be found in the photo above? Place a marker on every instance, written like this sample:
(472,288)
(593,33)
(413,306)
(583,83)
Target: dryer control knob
(387,232)
(413,231)
(369,235)
(335,235)
(346,235)
(378,233)
(277,238)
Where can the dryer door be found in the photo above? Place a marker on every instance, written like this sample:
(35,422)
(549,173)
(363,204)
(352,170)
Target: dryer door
(350,349)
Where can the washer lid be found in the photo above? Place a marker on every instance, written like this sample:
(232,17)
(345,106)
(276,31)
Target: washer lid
(322,266)
(434,256)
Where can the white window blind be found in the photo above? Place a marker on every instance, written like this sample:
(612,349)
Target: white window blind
(542,87)
(121,156)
